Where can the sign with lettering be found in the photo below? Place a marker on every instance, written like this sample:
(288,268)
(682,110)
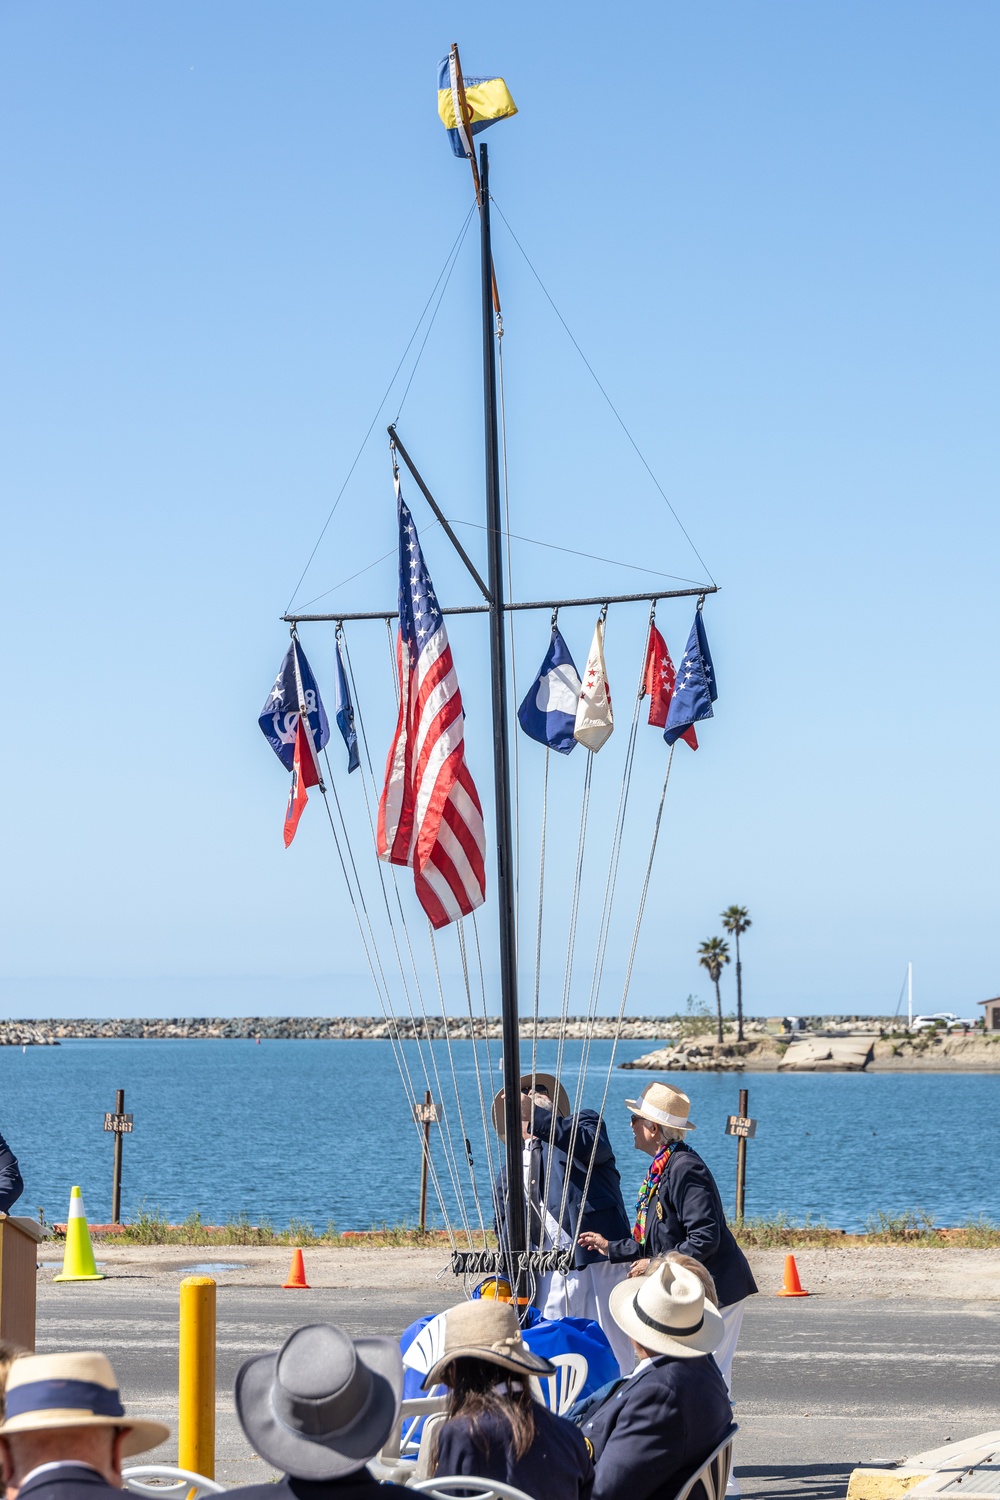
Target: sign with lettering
(425,1114)
(741,1125)
(120,1124)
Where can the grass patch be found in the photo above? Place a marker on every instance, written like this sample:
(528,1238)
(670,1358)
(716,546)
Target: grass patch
(151,1227)
(778,1232)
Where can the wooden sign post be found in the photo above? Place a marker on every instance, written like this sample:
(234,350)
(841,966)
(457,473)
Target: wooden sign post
(121,1124)
(426,1114)
(744,1129)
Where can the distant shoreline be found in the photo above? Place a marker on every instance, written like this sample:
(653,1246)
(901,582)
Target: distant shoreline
(319,1028)
(760,1053)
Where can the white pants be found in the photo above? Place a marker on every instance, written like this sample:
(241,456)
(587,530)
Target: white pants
(732,1317)
(584,1294)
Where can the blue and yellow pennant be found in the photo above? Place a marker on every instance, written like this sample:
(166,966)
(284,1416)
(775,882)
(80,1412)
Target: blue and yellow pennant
(486,100)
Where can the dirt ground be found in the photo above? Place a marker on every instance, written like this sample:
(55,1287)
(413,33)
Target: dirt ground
(871,1271)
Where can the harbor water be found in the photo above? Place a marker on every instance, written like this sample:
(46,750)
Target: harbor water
(321,1132)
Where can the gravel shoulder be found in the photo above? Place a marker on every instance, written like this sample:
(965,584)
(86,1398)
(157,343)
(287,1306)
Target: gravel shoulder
(889,1271)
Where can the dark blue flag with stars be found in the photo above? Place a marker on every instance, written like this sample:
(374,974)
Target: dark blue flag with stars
(345,712)
(280,713)
(695,690)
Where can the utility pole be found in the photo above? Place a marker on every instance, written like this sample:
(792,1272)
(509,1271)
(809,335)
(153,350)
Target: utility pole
(909,996)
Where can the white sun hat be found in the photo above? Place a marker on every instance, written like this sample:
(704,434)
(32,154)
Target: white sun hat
(663,1105)
(666,1312)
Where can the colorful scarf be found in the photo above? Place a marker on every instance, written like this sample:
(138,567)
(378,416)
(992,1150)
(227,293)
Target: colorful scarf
(650,1183)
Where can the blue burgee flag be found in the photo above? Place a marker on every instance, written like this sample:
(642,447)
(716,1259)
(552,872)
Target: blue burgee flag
(548,713)
(345,713)
(280,713)
(695,690)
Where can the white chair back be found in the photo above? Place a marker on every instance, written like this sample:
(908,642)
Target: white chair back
(714,1472)
(164,1482)
(559,1391)
(462,1484)
(402,1442)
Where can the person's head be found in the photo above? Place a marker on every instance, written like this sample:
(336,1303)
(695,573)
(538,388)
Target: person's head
(100,1447)
(487,1368)
(67,1408)
(667,1312)
(690,1264)
(323,1404)
(659,1117)
(538,1091)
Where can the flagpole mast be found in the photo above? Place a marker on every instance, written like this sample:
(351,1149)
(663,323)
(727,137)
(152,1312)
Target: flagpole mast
(516,1237)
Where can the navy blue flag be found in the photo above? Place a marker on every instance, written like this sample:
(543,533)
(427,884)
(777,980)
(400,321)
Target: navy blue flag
(695,690)
(345,713)
(548,713)
(280,713)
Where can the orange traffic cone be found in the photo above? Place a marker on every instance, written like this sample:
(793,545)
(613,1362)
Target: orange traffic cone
(792,1285)
(296,1275)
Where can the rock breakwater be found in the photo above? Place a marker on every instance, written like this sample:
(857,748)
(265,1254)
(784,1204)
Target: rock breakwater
(313,1028)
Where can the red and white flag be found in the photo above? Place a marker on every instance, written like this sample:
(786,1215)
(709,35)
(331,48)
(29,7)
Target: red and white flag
(304,773)
(659,684)
(429,814)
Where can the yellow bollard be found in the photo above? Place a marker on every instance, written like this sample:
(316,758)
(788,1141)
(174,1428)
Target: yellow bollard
(196,1377)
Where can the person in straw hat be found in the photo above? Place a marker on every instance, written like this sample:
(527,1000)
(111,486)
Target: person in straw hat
(558,1151)
(653,1430)
(679,1208)
(495,1429)
(318,1409)
(65,1431)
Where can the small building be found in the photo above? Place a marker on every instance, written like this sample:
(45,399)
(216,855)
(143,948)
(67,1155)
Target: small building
(991,1016)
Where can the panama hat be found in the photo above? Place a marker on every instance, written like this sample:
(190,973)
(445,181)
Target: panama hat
(485,1330)
(663,1105)
(533,1081)
(666,1312)
(324,1404)
(49,1391)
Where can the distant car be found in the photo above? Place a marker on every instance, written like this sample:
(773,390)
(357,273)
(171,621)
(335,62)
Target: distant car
(944,1018)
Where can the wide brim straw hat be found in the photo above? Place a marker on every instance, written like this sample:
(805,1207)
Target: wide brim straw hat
(533,1081)
(46,1392)
(486,1330)
(324,1404)
(663,1105)
(666,1312)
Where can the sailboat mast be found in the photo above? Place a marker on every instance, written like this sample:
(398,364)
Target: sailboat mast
(501,756)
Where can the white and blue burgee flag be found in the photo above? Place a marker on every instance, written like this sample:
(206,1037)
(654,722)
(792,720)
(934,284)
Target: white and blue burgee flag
(595,721)
(548,713)
(694,690)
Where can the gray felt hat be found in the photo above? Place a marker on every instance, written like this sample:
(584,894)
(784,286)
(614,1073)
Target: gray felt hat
(324,1404)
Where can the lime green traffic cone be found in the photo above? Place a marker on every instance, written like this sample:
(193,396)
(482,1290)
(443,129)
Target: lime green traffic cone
(78,1259)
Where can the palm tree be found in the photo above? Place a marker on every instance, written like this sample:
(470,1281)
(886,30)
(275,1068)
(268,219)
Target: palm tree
(712,954)
(736,921)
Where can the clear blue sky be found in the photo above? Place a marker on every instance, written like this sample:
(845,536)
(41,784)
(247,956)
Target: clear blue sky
(773,227)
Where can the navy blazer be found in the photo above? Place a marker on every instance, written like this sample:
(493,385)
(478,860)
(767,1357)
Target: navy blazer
(70,1482)
(359,1486)
(11,1185)
(686,1214)
(605,1210)
(557,1466)
(657,1428)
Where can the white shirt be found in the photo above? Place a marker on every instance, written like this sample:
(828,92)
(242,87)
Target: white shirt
(643,1364)
(552,1233)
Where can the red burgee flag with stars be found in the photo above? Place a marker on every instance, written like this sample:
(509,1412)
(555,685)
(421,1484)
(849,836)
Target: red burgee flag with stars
(304,773)
(659,684)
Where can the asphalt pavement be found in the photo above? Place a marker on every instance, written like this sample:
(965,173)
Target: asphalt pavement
(822,1384)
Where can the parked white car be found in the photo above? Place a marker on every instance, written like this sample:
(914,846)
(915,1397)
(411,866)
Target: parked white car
(943,1018)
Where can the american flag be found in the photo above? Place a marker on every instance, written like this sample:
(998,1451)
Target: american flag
(429,814)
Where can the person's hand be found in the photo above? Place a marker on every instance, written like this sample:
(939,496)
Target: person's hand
(591,1241)
(637,1268)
